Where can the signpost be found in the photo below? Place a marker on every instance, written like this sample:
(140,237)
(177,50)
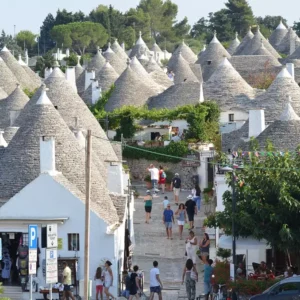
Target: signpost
(51,256)
(33,244)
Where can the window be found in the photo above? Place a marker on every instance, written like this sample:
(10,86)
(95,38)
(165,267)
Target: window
(73,241)
(231,117)
(289,288)
(209,62)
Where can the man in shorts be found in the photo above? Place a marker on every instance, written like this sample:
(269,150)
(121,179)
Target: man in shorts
(168,219)
(176,187)
(67,281)
(155,283)
(154,173)
(208,271)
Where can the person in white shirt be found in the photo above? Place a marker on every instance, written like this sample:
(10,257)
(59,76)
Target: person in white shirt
(154,172)
(155,283)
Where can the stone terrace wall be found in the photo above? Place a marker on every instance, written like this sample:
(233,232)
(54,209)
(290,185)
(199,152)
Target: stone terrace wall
(138,170)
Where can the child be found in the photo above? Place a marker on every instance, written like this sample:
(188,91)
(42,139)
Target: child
(166,202)
(99,283)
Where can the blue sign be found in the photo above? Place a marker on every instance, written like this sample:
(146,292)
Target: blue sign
(33,236)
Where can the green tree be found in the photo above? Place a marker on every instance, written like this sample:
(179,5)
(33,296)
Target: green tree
(45,40)
(296,27)
(271,22)
(26,39)
(8,41)
(241,14)
(267,201)
(66,17)
(79,35)
(202,30)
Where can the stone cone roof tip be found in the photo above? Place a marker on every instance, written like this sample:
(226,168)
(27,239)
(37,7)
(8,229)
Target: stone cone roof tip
(4,49)
(44,100)
(109,50)
(98,61)
(186,52)
(215,39)
(20,61)
(3,142)
(244,42)
(289,114)
(281,26)
(140,40)
(284,73)
(106,76)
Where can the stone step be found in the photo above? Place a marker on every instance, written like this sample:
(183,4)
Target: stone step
(12,292)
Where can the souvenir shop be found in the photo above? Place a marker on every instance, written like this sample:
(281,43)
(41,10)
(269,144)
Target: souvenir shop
(14,264)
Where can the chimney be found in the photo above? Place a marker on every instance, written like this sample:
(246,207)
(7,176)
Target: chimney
(47,155)
(165,54)
(123,46)
(26,57)
(292,45)
(89,75)
(201,99)
(256,122)
(71,77)
(96,91)
(58,54)
(3,142)
(291,69)
(67,52)
(13,115)
(48,72)
(80,138)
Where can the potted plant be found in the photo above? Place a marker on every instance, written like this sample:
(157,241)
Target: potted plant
(209,190)
(224,253)
(147,180)
(208,205)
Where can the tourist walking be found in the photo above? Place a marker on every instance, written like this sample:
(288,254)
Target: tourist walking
(162,179)
(208,271)
(204,245)
(135,284)
(154,174)
(191,246)
(99,283)
(148,206)
(181,218)
(108,279)
(176,187)
(155,283)
(168,220)
(191,210)
(166,202)
(191,276)
(196,192)
(67,281)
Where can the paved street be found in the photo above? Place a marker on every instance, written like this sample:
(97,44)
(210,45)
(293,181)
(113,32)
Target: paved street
(152,244)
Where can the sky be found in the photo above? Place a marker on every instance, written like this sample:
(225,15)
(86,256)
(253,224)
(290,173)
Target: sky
(30,14)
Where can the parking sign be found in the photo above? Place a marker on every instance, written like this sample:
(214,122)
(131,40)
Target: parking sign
(33,236)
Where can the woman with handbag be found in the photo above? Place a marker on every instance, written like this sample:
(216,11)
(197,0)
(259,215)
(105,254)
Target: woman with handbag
(191,276)
(181,218)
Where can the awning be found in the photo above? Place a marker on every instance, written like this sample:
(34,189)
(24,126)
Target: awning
(225,242)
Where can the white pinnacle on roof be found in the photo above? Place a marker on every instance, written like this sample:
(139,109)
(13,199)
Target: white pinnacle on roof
(140,41)
(284,73)
(289,114)
(3,142)
(215,39)
(4,49)
(225,62)
(20,61)
(44,100)
(109,50)
(281,26)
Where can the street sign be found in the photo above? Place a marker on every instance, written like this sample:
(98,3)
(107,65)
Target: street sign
(52,236)
(33,236)
(51,266)
(32,256)
(32,268)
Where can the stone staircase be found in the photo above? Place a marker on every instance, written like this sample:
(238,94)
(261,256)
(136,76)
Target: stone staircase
(12,292)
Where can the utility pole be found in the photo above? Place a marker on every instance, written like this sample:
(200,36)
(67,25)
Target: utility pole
(87,214)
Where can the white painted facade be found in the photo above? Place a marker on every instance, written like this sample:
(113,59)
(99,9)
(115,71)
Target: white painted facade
(46,199)
(232,120)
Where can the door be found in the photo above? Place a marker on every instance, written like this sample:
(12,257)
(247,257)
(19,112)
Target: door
(285,291)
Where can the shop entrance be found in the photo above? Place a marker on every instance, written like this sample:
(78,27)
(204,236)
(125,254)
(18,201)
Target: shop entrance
(14,266)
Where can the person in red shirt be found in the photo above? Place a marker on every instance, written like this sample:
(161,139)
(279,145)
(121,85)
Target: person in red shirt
(162,178)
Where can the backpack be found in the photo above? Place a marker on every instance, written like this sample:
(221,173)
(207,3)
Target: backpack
(163,175)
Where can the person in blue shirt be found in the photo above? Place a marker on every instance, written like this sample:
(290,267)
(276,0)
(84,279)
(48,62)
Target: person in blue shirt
(208,271)
(168,219)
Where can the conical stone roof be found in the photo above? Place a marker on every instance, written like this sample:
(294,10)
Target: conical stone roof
(152,65)
(80,82)
(212,57)
(119,50)
(161,78)
(71,106)
(17,70)
(14,102)
(227,87)
(3,94)
(98,61)
(284,133)
(274,99)
(34,77)
(139,48)
(285,44)
(278,35)
(118,64)
(146,78)
(234,45)
(130,89)
(262,51)
(244,44)
(177,95)
(156,48)
(186,52)
(196,68)
(255,43)
(182,70)
(9,133)
(8,80)
(78,70)
(44,120)
(106,77)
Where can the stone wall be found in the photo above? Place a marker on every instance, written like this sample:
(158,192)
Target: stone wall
(138,170)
